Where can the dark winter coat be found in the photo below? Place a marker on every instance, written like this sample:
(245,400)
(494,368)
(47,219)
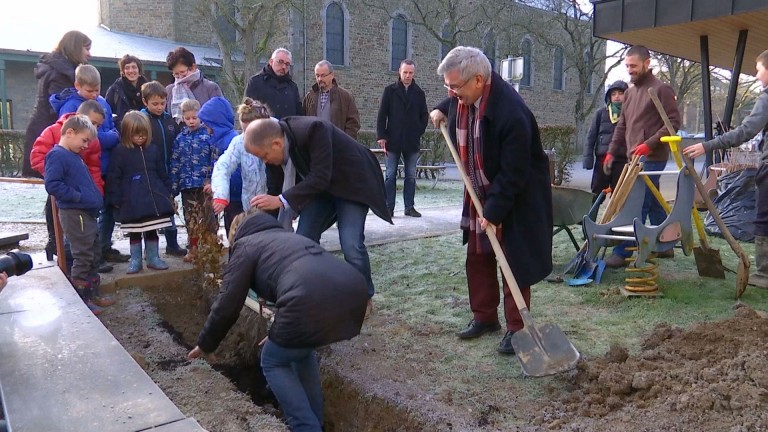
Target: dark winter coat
(344,113)
(319,298)
(54,73)
(218,115)
(328,160)
(68,180)
(138,185)
(123,97)
(402,117)
(520,195)
(601,132)
(68,101)
(280,94)
(164,131)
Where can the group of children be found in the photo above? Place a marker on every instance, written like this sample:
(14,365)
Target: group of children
(98,175)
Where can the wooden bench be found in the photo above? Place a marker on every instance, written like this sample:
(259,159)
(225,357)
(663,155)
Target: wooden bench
(12,238)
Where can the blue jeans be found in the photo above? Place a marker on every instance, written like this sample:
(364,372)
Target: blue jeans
(322,212)
(106,227)
(409,184)
(651,208)
(294,377)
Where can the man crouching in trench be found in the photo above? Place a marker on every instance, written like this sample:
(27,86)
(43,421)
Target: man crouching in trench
(319,299)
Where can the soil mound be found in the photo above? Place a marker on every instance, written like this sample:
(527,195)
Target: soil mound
(710,377)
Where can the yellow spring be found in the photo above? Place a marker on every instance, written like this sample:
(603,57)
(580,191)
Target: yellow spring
(646,283)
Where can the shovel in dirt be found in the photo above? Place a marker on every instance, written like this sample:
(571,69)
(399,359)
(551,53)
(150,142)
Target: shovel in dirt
(711,258)
(542,350)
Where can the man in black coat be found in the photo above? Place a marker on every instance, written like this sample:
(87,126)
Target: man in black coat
(318,298)
(326,177)
(509,170)
(274,86)
(400,124)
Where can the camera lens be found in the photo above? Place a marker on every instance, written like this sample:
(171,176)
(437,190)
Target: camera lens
(15,263)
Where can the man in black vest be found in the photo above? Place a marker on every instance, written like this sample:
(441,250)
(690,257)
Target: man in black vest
(401,122)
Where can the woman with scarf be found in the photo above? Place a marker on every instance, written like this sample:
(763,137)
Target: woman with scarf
(189,82)
(125,93)
(599,138)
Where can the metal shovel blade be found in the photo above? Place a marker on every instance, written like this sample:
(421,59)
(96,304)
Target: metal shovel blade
(543,350)
(708,262)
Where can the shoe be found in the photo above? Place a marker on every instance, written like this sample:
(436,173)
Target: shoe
(85,290)
(760,277)
(615,261)
(172,245)
(135,265)
(666,254)
(97,298)
(153,255)
(50,250)
(505,346)
(113,255)
(412,212)
(103,267)
(477,329)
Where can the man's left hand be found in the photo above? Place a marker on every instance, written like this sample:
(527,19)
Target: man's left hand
(197,353)
(484,223)
(641,150)
(266,202)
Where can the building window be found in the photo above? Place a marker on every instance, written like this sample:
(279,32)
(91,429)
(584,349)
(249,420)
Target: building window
(446,32)
(6,114)
(489,47)
(558,69)
(526,51)
(588,70)
(334,34)
(399,41)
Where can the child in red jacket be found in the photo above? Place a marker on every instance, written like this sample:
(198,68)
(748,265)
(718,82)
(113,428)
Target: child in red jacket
(91,156)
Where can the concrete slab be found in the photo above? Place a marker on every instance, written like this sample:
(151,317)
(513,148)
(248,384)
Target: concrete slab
(12,239)
(63,371)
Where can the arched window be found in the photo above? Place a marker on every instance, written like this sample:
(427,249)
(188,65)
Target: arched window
(558,69)
(399,41)
(334,33)
(489,47)
(526,51)
(588,70)
(446,32)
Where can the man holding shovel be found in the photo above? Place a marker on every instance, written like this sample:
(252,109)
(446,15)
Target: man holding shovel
(639,132)
(498,140)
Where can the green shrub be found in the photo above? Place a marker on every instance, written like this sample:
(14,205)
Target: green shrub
(561,139)
(11,152)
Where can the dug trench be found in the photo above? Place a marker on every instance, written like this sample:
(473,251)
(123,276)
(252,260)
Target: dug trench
(710,377)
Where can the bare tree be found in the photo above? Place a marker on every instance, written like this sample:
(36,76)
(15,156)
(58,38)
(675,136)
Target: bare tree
(244,31)
(683,75)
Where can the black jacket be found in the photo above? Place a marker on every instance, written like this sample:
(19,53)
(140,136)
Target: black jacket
(328,160)
(280,94)
(54,73)
(520,196)
(117,98)
(601,131)
(319,299)
(138,185)
(164,131)
(402,117)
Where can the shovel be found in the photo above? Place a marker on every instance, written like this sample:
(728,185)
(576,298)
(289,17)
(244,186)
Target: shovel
(542,350)
(712,258)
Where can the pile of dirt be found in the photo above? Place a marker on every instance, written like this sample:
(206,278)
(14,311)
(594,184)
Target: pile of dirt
(710,377)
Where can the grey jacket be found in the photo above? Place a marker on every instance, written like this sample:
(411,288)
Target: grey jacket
(756,121)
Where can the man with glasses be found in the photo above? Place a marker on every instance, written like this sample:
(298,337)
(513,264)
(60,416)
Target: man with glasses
(400,124)
(501,152)
(274,86)
(331,102)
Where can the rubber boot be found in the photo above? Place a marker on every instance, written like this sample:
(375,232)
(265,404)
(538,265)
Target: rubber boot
(760,277)
(99,299)
(171,244)
(153,255)
(134,264)
(85,291)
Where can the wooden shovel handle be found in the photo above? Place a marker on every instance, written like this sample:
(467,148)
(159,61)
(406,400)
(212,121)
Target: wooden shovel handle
(491,230)
(700,186)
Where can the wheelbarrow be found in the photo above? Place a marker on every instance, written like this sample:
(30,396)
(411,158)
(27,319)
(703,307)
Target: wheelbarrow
(569,206)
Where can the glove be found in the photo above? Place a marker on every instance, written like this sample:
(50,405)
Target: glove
(641,150)
(589,162)
(608,164)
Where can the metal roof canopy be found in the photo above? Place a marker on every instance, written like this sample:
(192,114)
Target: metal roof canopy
(719,33)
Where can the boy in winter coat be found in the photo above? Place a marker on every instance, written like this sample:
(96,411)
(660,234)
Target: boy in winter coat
(164,131)
(217,114)
(191,165)
(599,139)
(67,179)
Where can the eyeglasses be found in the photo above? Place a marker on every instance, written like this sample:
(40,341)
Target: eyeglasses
(454,88)
(322,76)
(282,62)
(181,74)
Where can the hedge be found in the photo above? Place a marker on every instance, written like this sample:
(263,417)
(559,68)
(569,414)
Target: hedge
(11,152)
